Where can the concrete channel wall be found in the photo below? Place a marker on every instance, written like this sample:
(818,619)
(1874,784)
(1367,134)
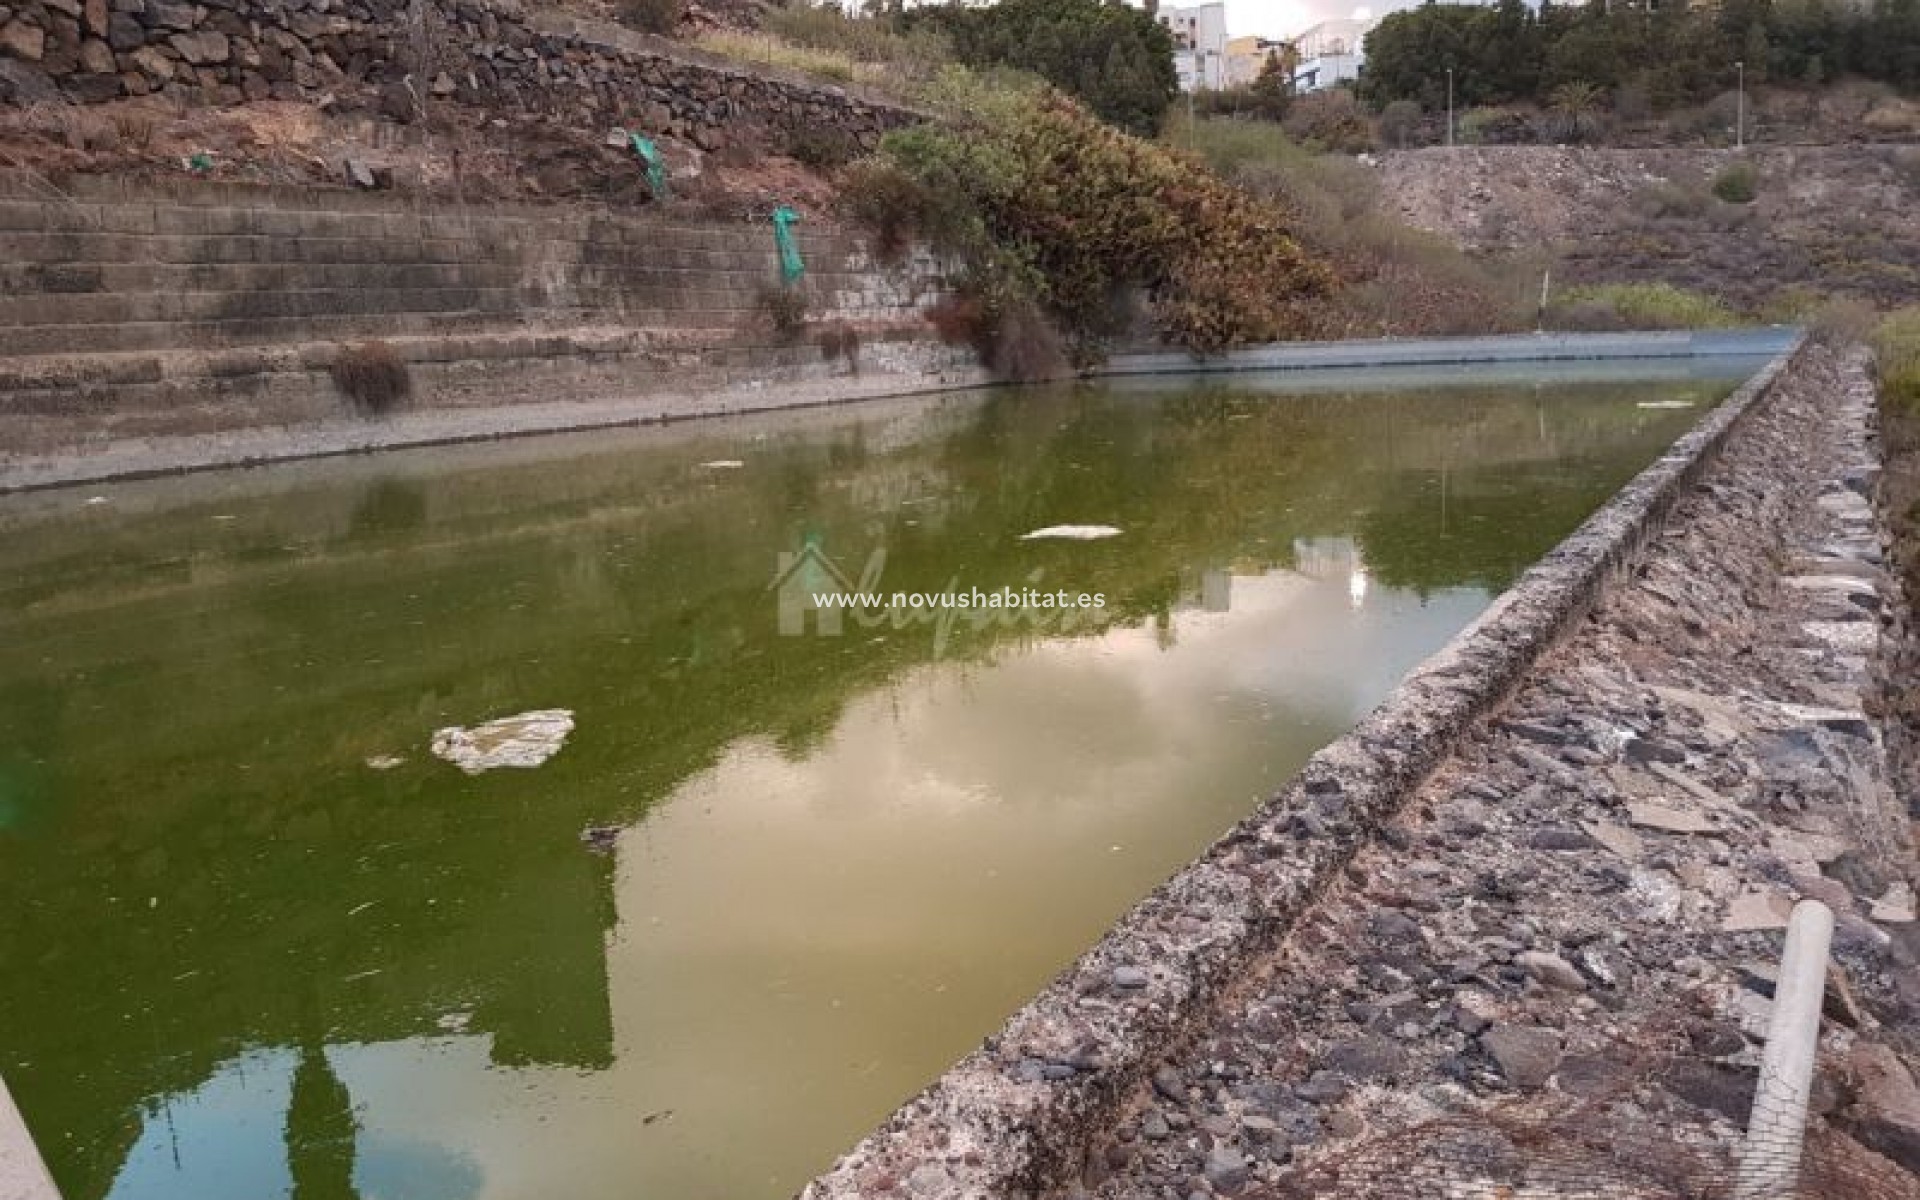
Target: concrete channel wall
(134,309)
(483,387)
(23,1176)
(1016,1117)
(1478,352)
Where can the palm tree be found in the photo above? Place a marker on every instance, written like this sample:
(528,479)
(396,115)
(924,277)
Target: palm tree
(1576,109)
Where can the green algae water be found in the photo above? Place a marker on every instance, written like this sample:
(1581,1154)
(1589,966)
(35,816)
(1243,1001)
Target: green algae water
(258,941)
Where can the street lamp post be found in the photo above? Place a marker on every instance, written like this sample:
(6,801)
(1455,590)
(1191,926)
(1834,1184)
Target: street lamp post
(1740,106)
(1449,106)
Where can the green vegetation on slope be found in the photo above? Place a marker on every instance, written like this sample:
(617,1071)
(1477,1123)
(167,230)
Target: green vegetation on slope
(1638,306)
(1643,57)
(1060,220)
(1116,60)
(1896,345)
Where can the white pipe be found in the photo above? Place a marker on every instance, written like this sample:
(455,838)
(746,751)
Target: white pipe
(23,1175)
(1770,1156)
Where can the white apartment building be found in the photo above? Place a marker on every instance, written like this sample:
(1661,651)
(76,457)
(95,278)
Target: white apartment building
(1330,53)
(1199,44)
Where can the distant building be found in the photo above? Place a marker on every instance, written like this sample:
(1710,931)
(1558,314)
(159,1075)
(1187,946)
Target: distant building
(1330,53)
(1247,57)
(1199,44)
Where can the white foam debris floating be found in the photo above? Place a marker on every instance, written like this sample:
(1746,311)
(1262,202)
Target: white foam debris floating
(524,740)
(723,464)
(1071,533)
(1664,404)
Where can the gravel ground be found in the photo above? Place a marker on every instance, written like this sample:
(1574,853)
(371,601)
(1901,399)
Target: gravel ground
(1582,908)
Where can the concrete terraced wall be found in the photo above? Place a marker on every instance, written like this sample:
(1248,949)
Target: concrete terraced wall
(134,309)
(397,57)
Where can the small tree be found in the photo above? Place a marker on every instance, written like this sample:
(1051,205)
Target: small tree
(1272,90)
(1400,124)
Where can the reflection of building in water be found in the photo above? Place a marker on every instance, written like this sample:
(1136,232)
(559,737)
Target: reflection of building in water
(285,1122)
(1333,559)
(320,1130)
(1216,591)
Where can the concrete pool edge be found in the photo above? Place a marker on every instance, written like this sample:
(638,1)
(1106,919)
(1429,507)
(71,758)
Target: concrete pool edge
(1015,1117)
(1540,347)
(131,459)
(23,1173)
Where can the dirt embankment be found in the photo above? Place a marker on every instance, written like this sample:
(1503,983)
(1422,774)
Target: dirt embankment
(1833,219)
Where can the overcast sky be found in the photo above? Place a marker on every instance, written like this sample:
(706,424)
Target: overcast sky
(1284,18)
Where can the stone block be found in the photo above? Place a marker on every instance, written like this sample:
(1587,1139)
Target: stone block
(125,33)
(22,40)
(201,49)
(170,14)
(97,57)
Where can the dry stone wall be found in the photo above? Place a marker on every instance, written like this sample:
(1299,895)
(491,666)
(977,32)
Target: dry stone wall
(403,57)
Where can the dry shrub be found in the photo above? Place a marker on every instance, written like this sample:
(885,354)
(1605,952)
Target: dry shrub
(1400,279)
(1026,347)
(785,311)
(79,128)
(1896,346)
(1331,120)
(1843,320)
(1670,200)
(1586,316)
(885,200)
(775,52)
(136,127)
(912,53)
(1401,124)
(651,16)
(839,340)
(959,319)
(1014,340)
(1894,116)
(1830,318)
(373,376)
(822,147)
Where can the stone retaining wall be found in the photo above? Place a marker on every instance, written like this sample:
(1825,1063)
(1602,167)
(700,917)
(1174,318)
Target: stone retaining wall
(138,309)
(1014,1118)
(402,57)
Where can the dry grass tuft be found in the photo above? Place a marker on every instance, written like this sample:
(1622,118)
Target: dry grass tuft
(373,376)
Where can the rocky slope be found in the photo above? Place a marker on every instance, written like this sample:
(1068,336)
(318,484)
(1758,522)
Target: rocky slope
(1833,218)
